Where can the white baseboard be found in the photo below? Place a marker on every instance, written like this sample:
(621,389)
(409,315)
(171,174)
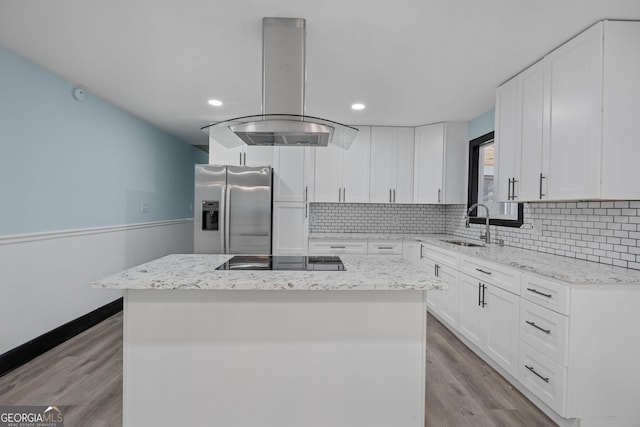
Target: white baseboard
(45,278)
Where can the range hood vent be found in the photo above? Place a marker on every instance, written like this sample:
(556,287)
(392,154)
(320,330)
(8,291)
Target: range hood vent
(282,122)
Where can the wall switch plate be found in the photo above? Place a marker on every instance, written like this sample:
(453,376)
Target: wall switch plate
(144,208)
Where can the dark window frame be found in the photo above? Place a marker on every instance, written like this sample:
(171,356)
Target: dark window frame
(472,191)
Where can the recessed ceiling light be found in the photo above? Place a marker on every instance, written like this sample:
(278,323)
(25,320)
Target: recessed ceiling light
(215,102)
(358,106)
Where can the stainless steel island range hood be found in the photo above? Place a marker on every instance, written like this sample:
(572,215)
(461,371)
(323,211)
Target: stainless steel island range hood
(282,121)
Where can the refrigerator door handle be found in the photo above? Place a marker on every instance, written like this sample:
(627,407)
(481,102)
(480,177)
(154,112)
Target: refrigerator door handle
(223,219)
(227,220)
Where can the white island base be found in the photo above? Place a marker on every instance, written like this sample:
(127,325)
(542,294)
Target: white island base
(340,358)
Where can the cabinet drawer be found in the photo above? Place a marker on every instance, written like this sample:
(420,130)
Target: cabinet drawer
(338,247)
(442,256)
(546,293)
(545,331)
(543,377)
(495,274)
(385,247)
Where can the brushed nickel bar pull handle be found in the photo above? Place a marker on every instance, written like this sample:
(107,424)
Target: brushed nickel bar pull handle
(338,247)
(339,194)
(484,303)
(545,379)
(389,195)
(306,193)
(513,189)
(421,249)
(344,194)
(394,195)
(306,210)
(509,189)
(439,194)
(240,162)
(479,295)
(385,247)
(482,271)
(546,331)
(541,178)
(535,291)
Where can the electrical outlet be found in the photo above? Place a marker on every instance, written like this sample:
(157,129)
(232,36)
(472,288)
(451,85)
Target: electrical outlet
(144,208)
(190,208)
(537,227)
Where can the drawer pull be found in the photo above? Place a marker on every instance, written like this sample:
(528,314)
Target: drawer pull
(535,291)
(482,271)
(546,331)
(545,379)
(385,247)
(338,247)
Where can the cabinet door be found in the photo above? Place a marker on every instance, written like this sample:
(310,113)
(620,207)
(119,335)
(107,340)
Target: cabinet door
(434,298)
(355,168)
(503,327)
(428,164)
(383,165)
(507,139)
(531,105)
(259,156)
(448,299)
(404,143)
(573,86)
(289,174)
(471,316)
(221,155)
(328,180)
(411,251)
(290,228)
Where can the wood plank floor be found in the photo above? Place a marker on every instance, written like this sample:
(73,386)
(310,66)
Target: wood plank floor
(84,378)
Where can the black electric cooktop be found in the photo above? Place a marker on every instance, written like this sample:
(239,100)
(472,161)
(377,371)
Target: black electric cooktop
(283,262)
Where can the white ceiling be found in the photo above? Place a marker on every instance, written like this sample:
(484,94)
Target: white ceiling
(411,62)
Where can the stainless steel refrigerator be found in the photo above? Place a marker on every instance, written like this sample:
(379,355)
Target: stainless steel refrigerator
(232,210)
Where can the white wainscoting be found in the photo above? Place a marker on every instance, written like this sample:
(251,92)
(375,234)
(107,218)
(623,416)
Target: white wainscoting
(45,278)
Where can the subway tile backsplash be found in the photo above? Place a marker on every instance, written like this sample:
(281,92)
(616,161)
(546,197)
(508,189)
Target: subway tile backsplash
(605,232)
(376,218)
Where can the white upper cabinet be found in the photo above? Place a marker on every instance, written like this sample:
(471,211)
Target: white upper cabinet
(343,175)
(242,155)
(391,174)
(506,131)
(519,129)
(293,174)
(221,155)
(440,163)
(573,96)
(574,120)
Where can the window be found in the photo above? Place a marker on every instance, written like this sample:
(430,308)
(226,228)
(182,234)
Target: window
(481,186)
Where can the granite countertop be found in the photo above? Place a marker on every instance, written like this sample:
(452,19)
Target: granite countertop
(186,271)
(569,270)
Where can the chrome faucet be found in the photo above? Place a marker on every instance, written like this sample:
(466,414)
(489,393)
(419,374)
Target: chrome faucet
(487,235)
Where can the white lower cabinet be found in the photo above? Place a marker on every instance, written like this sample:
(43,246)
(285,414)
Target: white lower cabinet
(572,349)
(488,317)
(336,247)
(544,377)
(443,303)
(290,228)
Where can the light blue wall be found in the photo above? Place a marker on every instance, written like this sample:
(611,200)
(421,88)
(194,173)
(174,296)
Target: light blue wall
(482,124)
(66,164)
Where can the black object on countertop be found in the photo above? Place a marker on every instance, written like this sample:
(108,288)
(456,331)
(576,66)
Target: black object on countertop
(283,262)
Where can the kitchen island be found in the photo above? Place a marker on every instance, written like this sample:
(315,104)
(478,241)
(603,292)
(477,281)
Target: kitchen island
(274,348)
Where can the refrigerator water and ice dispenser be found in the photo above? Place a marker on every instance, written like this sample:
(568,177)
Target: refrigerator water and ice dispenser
(210,214)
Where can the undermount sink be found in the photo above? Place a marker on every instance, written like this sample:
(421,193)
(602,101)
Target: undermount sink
(461,243)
